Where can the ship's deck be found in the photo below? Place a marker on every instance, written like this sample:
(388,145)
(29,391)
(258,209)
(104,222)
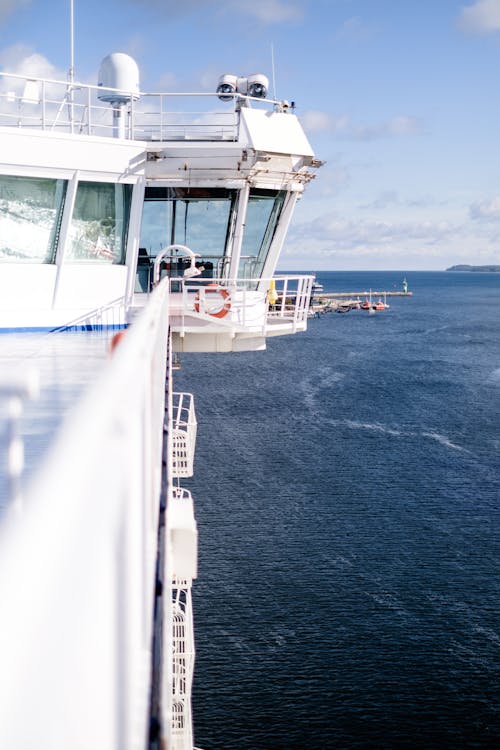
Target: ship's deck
(66,362)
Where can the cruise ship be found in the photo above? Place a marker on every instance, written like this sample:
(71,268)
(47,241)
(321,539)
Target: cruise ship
(134,227)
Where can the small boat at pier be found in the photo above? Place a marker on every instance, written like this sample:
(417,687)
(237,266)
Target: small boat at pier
(317,288)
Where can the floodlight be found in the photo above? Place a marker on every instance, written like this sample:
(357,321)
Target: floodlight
(258,85)
(227,86)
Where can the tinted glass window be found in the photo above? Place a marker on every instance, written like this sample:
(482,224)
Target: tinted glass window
(264,209)
(99,225)
(30,218)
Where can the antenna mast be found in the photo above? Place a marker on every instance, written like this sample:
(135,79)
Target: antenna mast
(274,76)
(71,74)
(71,43)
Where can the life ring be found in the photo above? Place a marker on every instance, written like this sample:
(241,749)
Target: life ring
(116,340)
(225,296)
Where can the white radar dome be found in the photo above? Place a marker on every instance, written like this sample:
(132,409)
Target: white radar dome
(118,71)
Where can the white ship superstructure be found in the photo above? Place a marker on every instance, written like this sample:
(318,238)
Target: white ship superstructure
(166,213)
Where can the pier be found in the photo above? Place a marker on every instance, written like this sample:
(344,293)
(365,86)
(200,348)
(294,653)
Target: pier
(355,295)
(323,302)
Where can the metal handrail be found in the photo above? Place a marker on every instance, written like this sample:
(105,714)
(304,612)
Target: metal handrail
(110,314)
(15,391)
(77,567)
(41,102)
(184,427)
(249,300)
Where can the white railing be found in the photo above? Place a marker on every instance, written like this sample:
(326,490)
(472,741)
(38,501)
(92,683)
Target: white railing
(15,390)
(293,299)
(242,304)
(54,105)
(182,666)
(183,435)
(111,315)
(181,569)
(77,563)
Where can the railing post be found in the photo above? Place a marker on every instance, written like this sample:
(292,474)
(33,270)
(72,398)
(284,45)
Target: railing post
(131,125)
(89,111)
(16,392)
(43,105)
(161,117)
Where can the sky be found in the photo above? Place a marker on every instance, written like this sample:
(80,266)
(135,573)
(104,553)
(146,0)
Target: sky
(399,98)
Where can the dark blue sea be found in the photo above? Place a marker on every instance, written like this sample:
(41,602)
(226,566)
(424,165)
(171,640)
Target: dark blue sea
(347,490)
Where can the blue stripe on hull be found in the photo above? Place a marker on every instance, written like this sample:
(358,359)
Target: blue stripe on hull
(47,329)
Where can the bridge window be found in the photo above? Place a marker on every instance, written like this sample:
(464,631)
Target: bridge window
(200,218)
(99,226)
(30,218)
(264,209)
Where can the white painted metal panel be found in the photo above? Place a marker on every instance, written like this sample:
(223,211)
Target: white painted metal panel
(26,286)
(90,286)
(275,132)
(97,158)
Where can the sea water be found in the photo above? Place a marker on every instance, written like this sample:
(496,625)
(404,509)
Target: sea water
(347,490)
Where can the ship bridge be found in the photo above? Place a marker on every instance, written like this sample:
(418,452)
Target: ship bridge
(99,181)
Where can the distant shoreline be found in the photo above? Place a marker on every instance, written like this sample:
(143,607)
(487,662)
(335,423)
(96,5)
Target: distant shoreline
(494,269)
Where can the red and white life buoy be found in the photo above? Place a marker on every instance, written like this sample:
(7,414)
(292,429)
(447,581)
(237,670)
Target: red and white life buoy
(212,289)
(116,340)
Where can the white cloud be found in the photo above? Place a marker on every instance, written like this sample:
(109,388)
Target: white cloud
(314,120)
(405,125)
(489,210)
(22,60)
(482,17)
(385,200)
(334,240)
(335,178)
(391,199)
(345,234)
(400,125)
